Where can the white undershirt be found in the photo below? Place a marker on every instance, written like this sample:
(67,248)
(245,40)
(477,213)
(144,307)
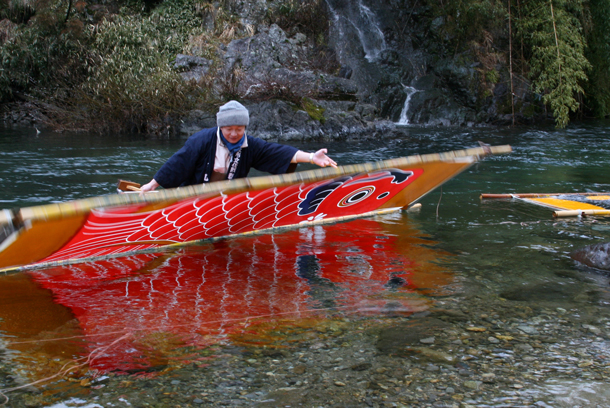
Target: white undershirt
(223,156)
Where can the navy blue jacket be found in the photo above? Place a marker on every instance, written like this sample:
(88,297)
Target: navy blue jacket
(194,162)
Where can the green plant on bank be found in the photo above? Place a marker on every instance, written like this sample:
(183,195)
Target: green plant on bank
(45,51)
(558,64)
(563,46)
(17,11)
(115,75)
(492,76)
(131,81)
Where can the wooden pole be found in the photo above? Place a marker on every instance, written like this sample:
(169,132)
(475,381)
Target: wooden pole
(536,195)
(579,213)
(521,37)
(510,58)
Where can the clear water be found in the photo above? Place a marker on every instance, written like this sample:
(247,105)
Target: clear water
(400,263)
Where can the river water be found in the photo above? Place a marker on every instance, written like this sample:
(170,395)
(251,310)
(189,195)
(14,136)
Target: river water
(97,334)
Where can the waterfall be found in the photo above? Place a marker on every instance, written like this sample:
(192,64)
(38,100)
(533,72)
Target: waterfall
(363,20)
(371,36)
(404,119)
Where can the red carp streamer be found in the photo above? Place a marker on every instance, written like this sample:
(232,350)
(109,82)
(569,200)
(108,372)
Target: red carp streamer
(217,290)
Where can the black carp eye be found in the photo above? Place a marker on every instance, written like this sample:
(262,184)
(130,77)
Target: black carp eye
(356,196)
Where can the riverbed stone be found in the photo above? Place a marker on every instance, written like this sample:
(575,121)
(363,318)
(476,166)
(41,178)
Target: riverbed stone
(396,339)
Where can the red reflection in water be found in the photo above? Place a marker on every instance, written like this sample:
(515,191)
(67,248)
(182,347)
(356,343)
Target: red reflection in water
(204,295)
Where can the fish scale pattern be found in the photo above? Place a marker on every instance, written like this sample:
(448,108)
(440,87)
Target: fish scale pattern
(129,229)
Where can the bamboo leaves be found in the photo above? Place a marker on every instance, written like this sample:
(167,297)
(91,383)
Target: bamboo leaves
(558,64)
(562,45)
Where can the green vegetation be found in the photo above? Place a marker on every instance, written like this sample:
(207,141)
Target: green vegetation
(558,65)
(492,76)
(563,46)
(113,74)
(598,54)
(129,76)
(108,64)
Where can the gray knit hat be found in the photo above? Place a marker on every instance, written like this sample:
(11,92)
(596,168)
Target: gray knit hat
(232,113)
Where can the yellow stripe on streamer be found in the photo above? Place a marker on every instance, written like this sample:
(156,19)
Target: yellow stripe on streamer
(559,204)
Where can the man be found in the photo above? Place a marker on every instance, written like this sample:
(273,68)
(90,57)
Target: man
(226,152)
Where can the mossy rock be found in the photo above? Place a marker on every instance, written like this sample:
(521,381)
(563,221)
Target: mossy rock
(314,111)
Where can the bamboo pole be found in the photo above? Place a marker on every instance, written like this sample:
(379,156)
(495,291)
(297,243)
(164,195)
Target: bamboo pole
(510,58)
(579,213)
(556,38)
(535,195)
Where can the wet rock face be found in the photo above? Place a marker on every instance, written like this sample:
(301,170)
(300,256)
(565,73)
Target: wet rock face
(385,54)
(273,66)
(330,120)
(596,256)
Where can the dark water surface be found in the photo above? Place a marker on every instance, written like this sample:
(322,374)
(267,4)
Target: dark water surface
(146,315)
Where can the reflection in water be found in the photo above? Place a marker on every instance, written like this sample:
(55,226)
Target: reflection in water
(237,290)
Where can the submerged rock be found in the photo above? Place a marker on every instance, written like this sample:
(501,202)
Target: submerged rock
(596,256)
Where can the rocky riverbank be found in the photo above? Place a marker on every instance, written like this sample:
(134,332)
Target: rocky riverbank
(467,352)
(371,75)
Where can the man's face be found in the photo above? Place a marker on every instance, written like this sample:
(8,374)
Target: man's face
(233,134)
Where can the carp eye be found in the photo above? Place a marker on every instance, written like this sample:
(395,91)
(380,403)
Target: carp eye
(384,195)
(357,196)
